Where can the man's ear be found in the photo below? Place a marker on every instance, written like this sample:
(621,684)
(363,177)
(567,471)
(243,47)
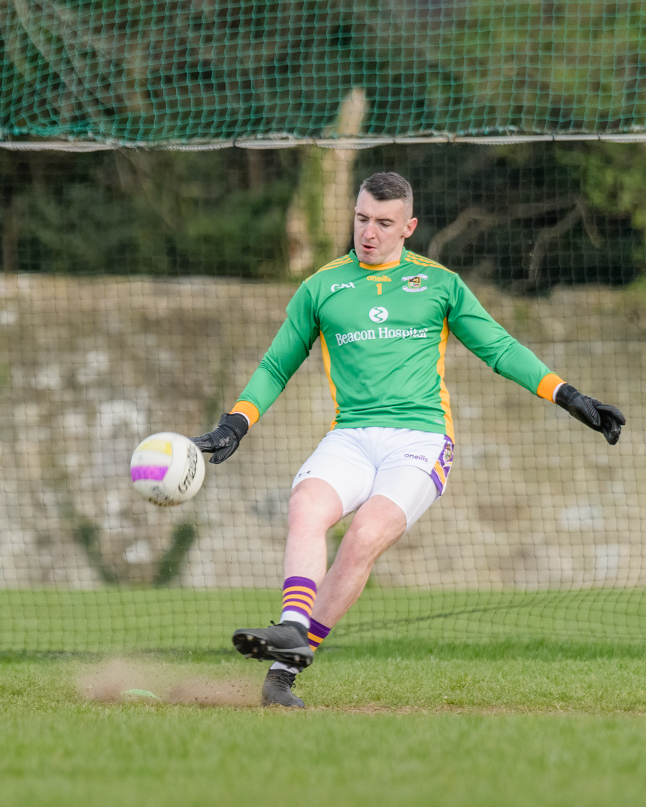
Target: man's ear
(409,229)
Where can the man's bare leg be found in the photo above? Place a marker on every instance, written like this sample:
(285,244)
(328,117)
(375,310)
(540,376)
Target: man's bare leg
(313,508)
(377,525)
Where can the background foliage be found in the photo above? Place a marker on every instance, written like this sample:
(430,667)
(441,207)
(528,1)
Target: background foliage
(526,216)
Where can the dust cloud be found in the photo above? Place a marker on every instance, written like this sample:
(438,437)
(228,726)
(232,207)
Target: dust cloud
(121,680)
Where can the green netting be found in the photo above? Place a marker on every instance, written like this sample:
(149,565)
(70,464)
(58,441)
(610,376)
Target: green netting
(141,289)
(157,71)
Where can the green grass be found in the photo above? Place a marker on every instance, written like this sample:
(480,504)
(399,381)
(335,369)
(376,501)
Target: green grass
(115,619)
(139,757)
(475,704)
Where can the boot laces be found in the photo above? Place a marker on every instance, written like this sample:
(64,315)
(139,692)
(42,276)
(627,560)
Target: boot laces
(285,677)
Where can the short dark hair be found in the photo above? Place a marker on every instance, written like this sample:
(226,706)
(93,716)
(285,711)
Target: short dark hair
(387,185)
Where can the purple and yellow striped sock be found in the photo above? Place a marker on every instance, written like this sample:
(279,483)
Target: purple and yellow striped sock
(299,594)
(316,634)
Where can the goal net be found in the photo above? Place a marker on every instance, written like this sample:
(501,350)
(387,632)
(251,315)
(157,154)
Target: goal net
(204,70)
(147,263)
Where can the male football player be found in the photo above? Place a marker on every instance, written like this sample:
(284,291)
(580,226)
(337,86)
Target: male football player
(383,315)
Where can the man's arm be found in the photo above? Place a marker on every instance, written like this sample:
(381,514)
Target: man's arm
(481,334)
(287,352)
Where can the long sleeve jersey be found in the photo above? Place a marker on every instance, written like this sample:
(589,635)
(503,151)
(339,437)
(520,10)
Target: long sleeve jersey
(383,332)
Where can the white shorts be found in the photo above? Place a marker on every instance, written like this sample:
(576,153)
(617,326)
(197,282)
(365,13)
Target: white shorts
(406,466)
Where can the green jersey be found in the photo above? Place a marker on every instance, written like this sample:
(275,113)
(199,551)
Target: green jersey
(383,332)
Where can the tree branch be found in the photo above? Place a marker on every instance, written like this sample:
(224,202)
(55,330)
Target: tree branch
(578,213)
(485,220)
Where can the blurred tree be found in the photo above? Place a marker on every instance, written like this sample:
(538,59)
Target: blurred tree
(614,178)
(320,214)
(131,212)
(523,216)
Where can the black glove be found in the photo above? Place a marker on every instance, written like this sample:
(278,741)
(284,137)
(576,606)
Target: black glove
(224,439)
(600,417)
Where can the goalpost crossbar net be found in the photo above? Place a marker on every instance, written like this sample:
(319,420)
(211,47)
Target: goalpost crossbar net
(169,174)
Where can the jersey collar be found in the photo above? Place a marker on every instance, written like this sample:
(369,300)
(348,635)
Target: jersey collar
(382,267)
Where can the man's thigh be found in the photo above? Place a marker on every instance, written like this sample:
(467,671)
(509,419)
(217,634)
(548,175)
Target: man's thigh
(351,482)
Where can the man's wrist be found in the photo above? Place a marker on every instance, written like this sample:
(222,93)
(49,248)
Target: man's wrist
(245,416)
(548,386)
(236,422)
(247,409)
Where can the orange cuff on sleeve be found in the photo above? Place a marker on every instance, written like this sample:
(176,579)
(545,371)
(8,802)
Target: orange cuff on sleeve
(248,409)
(547,386)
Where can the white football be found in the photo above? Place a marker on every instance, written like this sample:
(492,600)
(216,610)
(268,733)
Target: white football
(167,469)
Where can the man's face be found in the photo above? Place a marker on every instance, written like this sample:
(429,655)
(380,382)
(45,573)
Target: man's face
(380,228)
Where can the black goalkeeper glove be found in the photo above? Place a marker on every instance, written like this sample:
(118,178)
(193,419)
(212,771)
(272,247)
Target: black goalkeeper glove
(601,417)
(224,439)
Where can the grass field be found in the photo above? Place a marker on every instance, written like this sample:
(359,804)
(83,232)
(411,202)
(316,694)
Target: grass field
(189,619)
(426,715)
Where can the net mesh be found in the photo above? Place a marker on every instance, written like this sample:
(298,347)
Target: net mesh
(141,290)
(209,70)
(142,286)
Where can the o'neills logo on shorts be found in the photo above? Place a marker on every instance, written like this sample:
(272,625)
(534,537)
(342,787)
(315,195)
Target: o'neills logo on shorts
(416,457)
(381,333)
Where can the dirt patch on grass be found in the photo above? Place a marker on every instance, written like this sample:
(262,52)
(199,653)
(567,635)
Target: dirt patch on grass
(125,680)
(224,692)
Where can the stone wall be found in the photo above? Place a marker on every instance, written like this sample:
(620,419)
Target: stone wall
(88,367)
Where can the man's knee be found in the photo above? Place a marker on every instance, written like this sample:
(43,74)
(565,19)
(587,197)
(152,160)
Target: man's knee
(315,500)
